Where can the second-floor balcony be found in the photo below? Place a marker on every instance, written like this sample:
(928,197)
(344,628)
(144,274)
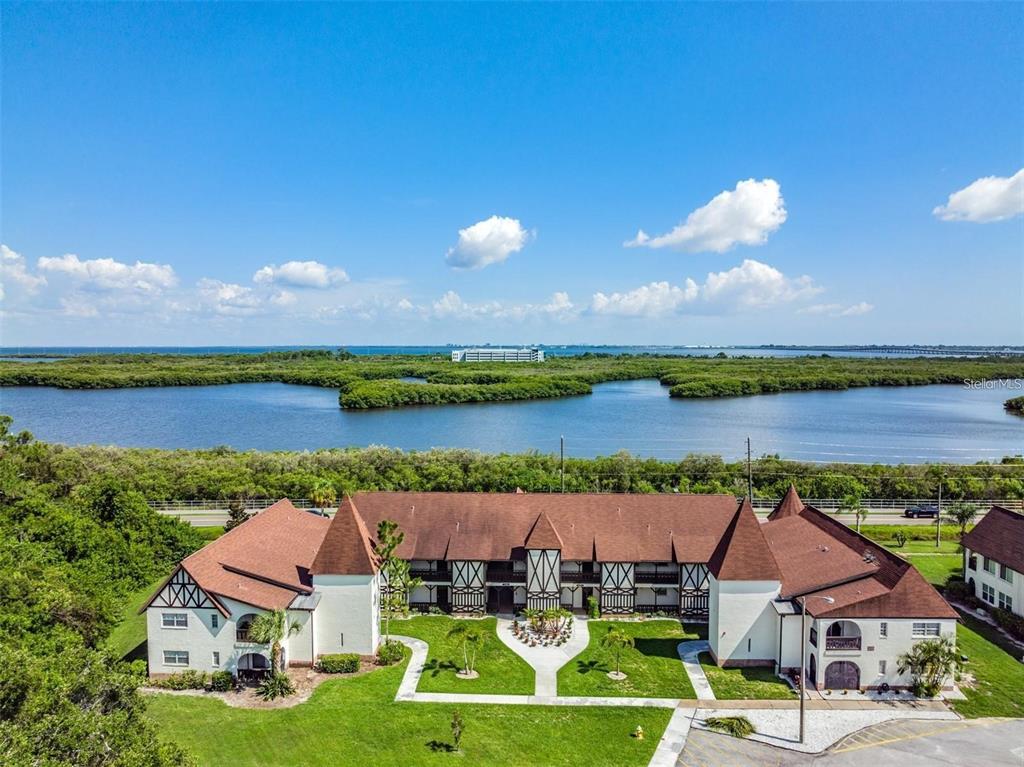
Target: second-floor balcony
(842,643)
(431,574)
(502,573)
(668,577)
(579,576)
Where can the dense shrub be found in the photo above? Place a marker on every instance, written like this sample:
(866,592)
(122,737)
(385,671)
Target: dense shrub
(1014,624)
(221,681)
(958,590)
(183,680)
(390,653)
(339,663)
(276,685)
(1015,405)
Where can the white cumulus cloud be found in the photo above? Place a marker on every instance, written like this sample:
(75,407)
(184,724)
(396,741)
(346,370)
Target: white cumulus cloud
(838,310)
(227,298)
(745,215)
(487,242)
(14,270)
(452,305)
(751,285)
(301,274)
(646,301)
(988,199)
(108,274)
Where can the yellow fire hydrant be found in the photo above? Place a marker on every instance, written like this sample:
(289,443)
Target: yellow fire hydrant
(638,733)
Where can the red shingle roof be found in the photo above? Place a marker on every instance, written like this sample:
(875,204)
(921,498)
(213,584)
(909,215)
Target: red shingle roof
(820,556)
(346,548)
(263,562)
(543,535)
(495,526)
(789,506)
(742,554)
(1000,536)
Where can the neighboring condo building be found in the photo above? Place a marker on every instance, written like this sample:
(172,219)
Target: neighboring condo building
(488,354)
(705,558)
(994,559)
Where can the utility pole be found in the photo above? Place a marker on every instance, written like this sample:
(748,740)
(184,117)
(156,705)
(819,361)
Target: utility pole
(750,475)
(938,518)
(561,460)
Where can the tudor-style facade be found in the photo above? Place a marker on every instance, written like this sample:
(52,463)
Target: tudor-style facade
(994,559)
(703,558)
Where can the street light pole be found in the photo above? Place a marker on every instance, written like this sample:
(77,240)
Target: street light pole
(803,653)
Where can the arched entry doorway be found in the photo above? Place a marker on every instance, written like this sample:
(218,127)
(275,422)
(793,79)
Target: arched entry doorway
(252,665)
(842,675)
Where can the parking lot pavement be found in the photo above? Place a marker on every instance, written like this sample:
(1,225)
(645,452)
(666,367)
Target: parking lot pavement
(900,743)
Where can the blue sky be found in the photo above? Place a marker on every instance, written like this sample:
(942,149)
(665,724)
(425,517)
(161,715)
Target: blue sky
(222,174)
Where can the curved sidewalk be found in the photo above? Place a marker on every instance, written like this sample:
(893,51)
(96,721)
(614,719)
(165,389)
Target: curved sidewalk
(688,652)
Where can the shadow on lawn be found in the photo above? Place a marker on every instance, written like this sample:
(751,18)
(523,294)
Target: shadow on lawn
(659,648)
(586,666)
(435,666)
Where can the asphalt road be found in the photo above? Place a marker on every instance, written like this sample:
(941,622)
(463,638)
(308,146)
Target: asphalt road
(901,743)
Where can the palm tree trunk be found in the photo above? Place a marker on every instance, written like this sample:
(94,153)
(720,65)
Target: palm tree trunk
(465,654)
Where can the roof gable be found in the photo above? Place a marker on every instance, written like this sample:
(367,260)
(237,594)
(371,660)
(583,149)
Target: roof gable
(543,535)
(346,548)
(1000,536)
(743,553)
(789,506)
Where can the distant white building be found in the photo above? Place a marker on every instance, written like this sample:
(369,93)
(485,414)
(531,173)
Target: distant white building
(488,354)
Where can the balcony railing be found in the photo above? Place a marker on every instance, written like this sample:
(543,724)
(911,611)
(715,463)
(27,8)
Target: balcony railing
(670,578)
(504,574)
(428,574)
(842,643)
(579,577)
(242,635)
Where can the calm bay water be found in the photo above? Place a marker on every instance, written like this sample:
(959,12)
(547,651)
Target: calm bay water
(888,425)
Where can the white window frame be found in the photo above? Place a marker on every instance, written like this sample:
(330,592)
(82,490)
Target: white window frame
(214,621)
(216,658)
(174,623)
(1005,602)
(176,653)
(989,565)
(988,594)
(926,630)
(881,666)
(883,630)
(1005,574)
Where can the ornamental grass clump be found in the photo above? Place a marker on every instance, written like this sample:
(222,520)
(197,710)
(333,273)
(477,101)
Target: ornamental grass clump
(277,685)
(737,726)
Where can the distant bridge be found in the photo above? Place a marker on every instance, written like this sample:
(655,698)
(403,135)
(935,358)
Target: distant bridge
(942,351)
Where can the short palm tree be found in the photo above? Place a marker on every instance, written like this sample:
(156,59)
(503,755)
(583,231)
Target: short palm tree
(471,639)
(616,641)
(853,504)
(273,628)
(930,662)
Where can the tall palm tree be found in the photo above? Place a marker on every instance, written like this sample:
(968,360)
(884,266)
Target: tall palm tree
(471,638)
(322,494)
(616,641)
(273,628)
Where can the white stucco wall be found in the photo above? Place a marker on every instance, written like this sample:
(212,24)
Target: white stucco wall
(1014,590)
(201,640)
(874,648)
(790,651)
(742,623)
(348,616)
(645,595)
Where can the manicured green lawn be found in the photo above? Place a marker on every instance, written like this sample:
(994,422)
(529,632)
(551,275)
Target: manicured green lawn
(936,568)
(923,547)
(501,670)
(653,667)
(999,676)
(356,722)
(741,683)
(129,636)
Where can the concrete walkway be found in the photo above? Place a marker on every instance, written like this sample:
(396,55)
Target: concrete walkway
(688,652)
(546,660)
(776,721)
